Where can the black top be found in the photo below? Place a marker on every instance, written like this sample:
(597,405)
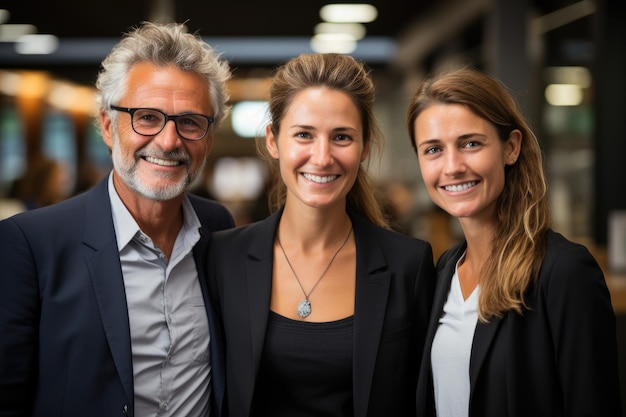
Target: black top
(306,369)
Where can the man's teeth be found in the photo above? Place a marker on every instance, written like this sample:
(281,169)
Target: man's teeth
(460,187)
(164,162)
(318,179)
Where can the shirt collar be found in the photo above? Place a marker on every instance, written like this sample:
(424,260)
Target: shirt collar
(126,228)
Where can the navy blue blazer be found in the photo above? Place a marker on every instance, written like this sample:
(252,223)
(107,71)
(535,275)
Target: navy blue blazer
(395,279)
(65,346)
(557,359)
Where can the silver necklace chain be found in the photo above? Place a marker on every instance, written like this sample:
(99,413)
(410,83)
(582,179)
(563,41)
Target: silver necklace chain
(304,308)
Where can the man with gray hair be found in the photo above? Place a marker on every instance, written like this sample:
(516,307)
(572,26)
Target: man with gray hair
(104,308)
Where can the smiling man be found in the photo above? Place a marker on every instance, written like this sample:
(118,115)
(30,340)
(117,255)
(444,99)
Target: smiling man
(104,309)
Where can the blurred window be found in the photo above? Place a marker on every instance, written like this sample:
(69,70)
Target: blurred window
(12,148)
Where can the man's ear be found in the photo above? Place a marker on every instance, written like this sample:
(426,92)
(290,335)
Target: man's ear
(106,127)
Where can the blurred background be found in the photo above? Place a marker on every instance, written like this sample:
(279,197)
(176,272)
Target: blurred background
(565,61)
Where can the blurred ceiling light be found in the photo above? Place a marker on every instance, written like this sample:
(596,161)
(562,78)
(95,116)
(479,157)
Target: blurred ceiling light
(346,13)
(568,75)
(356,30)
(339,43)
(13,32)
(564,94)
(248,118)
(4,16)
(36,44)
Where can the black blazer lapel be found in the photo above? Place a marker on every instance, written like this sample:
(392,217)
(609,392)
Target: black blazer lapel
(259,266)
(216,342)
(106,275)
(483,337)
(372,292)
(445,270)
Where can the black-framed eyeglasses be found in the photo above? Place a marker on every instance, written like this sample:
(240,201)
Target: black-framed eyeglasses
(150,122)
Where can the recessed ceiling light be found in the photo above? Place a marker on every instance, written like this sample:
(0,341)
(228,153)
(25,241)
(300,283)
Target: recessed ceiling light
(13,32)
(339,43)
(356,30)
(345,13)
(564,95)
(36,44)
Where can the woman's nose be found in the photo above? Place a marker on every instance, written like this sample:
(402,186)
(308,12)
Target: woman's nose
(454,163)
(321,152)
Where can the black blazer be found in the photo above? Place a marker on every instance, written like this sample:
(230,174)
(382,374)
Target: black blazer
(394,285)
(65,345)
(557,359)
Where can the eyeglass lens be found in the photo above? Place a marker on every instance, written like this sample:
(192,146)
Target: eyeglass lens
(151,122)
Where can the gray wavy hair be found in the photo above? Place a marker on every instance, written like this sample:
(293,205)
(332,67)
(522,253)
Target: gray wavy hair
(163,44)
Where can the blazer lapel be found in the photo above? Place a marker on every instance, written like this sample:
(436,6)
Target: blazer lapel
(216,342)
(259,266)
(445,271)
(483,337)
(106,275)
(372,290)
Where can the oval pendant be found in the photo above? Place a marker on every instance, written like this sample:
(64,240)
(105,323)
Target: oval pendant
(304,308)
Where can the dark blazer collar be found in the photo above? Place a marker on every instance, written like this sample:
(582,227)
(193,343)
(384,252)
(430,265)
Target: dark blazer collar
(99,230)
(373,280)
(445,269)
(105,270)
(259,269)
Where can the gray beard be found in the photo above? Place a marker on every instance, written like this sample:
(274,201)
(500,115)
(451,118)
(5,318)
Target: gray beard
(128,174)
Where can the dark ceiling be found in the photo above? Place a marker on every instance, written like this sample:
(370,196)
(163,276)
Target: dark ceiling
(100,20)
(80,18)
(105,21)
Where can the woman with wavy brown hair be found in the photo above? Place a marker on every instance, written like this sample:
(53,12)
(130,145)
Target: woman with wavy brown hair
(522,322)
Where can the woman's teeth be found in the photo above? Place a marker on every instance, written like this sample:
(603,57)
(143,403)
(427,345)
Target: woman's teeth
(318,179)
(459,187)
